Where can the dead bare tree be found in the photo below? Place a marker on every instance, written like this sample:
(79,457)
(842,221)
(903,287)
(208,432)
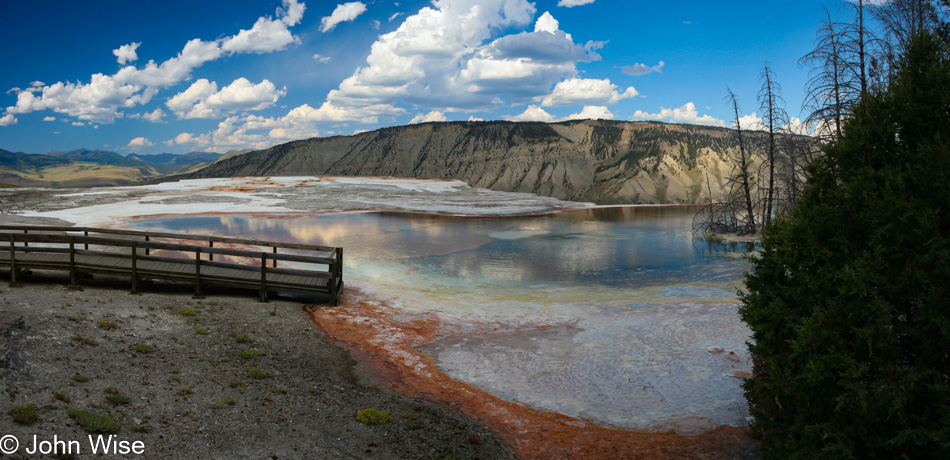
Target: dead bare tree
(735,214)
(774,117)
(829,90)
(743,173)
(903,19)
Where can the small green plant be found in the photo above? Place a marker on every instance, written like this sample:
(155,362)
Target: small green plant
(139,428)
(185,391)
(235,383)
(80,378)
(240,338)
(61,396)
(118,399)
(143,348)
(85,340)
(256,373)
(373,416)
(201,331)
(115,397)
(220,403)
(186,312)
(247,354)
(176,378)
(25,414)
(108,325)
(94,422)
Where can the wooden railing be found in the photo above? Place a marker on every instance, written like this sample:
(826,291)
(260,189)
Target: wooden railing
(81,250)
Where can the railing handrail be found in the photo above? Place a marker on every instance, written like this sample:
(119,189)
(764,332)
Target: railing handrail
(180,236)
(328,259)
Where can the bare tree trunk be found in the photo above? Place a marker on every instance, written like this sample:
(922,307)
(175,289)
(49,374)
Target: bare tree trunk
(743,165)
(768,102)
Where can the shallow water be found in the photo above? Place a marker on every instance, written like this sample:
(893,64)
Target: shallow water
(627,300)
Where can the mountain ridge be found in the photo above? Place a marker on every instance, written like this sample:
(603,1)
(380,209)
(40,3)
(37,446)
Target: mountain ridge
(87,168)
(606,162)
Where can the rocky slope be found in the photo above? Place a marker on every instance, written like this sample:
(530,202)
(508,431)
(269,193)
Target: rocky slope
(607,162)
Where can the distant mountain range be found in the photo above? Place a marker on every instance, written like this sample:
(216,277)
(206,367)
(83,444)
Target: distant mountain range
(86,168)
(606,162)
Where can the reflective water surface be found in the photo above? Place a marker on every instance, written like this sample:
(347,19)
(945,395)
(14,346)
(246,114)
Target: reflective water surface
(628,301)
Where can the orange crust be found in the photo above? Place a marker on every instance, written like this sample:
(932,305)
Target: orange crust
(387,345)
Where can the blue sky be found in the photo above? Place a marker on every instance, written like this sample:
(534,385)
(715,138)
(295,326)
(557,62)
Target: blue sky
(178,76)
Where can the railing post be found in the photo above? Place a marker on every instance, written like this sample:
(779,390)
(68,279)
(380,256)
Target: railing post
(263,297)
(339,276)
(275,260)
(339,262)
(26,243)
(86,234)
(73,285)
(135,274)
(198,274)
(13,282)
(146,249)
(210,245)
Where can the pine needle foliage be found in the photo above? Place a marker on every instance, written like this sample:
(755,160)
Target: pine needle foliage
(849,299)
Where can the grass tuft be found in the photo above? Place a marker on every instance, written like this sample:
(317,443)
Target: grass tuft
(373,416)
(256,373)
(143,348)
(24,415)
(220,403)
(94,422)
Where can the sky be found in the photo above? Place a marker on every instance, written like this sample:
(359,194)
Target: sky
(179,76)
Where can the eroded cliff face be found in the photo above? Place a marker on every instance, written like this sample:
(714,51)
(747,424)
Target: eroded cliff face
(606,162)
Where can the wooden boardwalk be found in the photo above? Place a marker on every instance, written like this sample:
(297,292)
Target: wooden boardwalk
(185,258)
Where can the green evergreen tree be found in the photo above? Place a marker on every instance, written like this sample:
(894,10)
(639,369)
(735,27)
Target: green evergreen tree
(849,299)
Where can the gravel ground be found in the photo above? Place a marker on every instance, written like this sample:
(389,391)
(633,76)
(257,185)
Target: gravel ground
(194,396)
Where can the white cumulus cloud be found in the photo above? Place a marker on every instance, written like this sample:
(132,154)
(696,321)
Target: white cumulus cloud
(591,112)
(101,99)
(586,91)
(203,100)
(443,58)
(126,53)
(140,142)
(342,13)
(8,120)
(573,3)
(434,115)
(154,116)
(642,69)
(532,113)
(686,113)
(750,122)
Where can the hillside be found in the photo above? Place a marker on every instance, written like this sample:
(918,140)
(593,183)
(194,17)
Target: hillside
(607,162)
(87,168)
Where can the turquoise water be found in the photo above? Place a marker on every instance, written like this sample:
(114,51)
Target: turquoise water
(601,313)
(615,246)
